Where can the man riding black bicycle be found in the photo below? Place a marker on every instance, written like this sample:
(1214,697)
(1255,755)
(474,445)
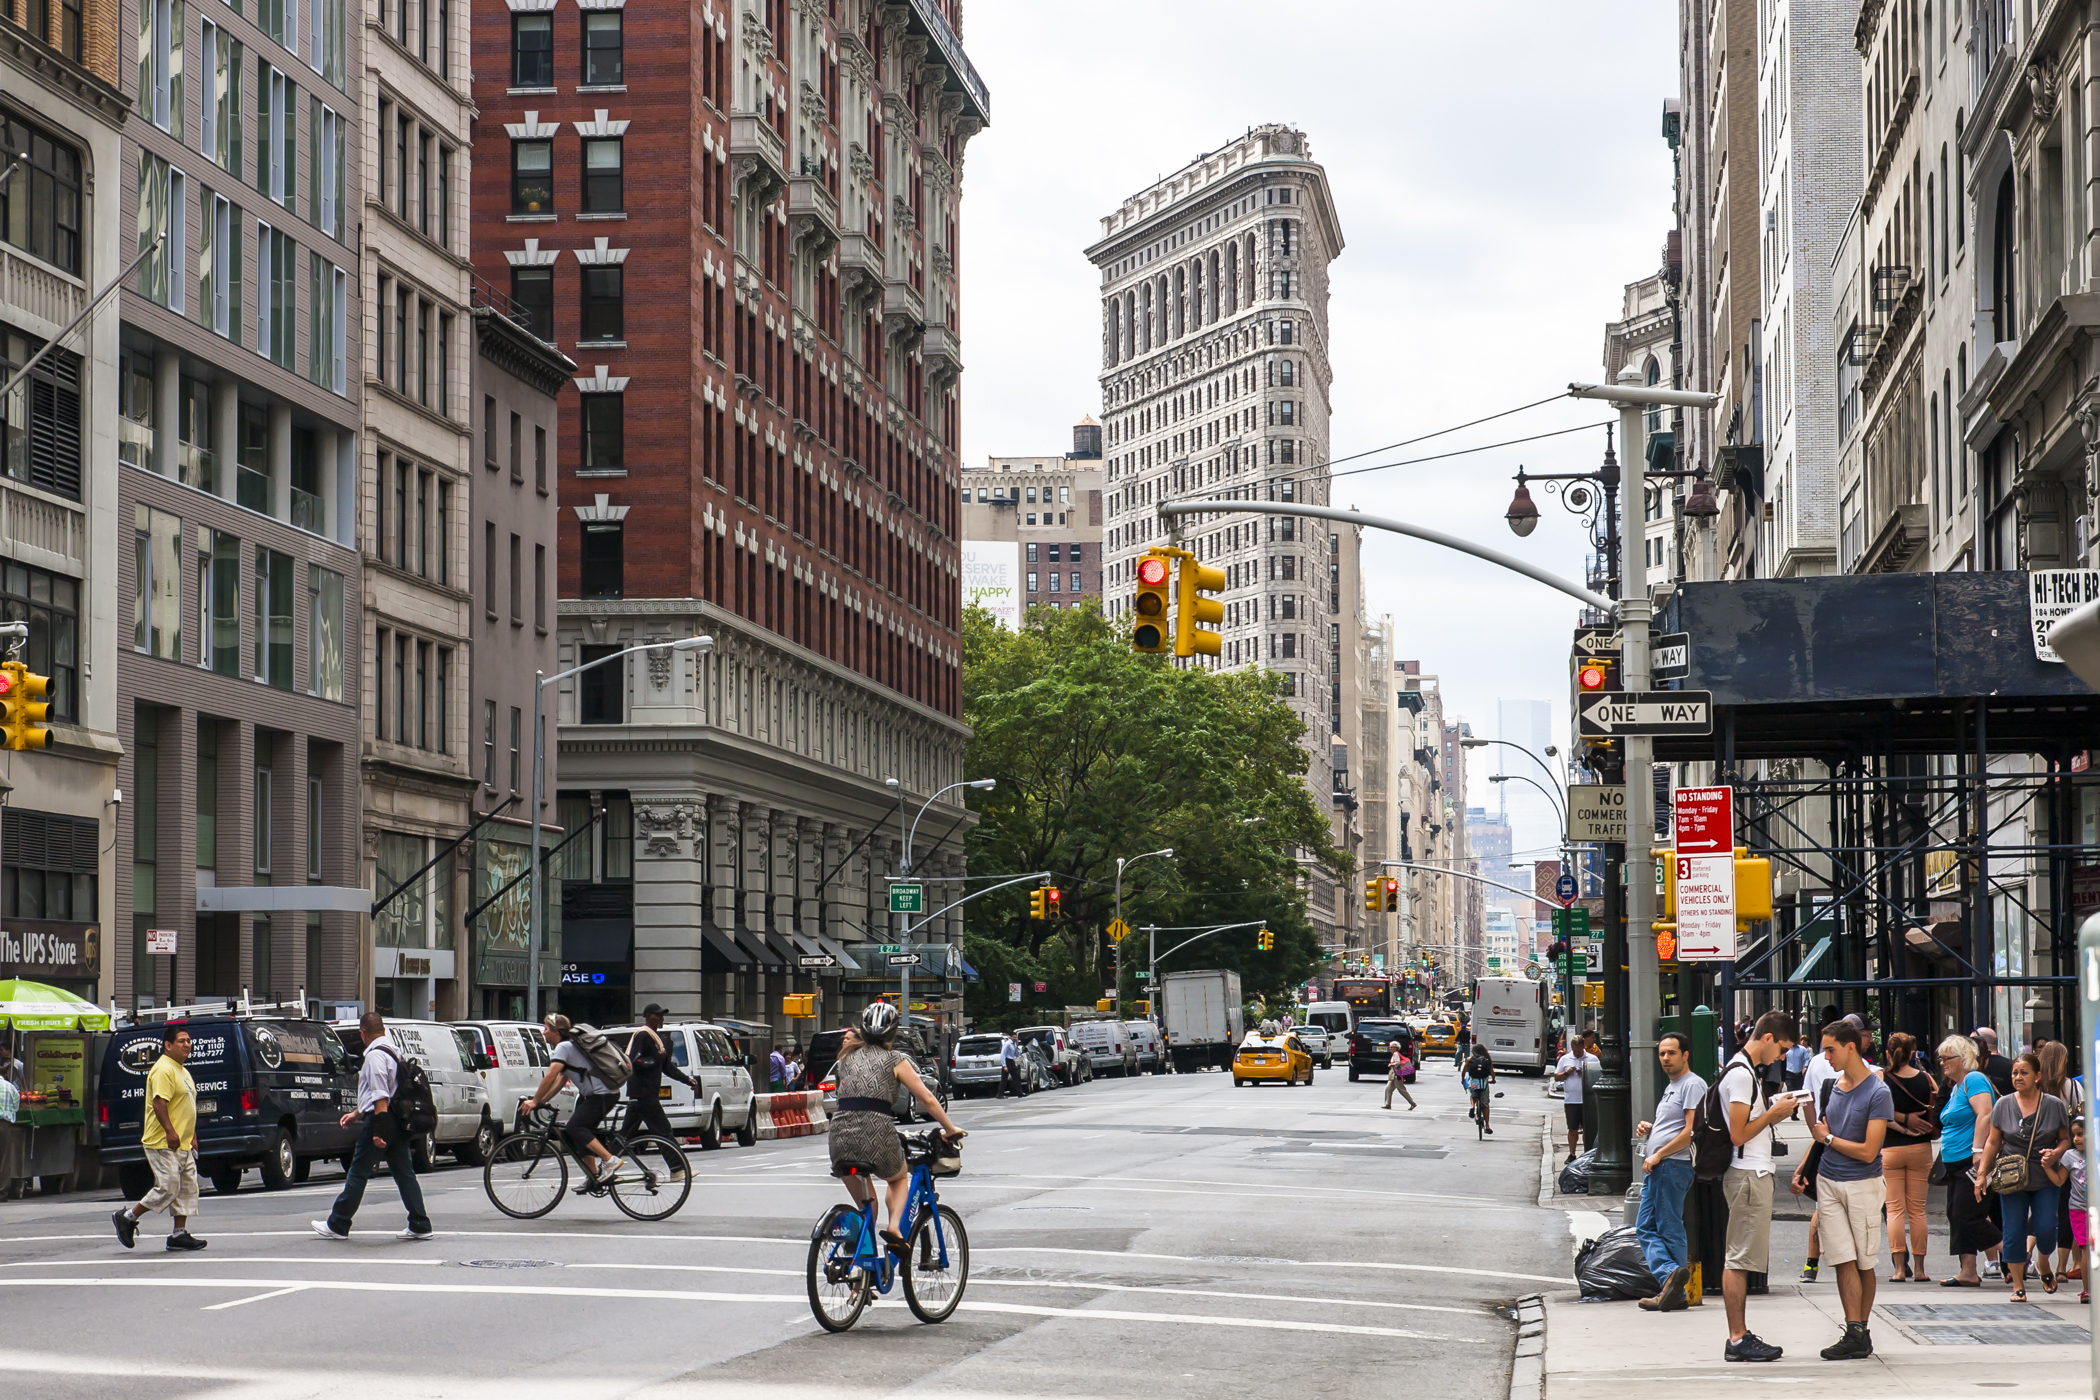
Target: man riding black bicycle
(594,1099)
(1478,1073)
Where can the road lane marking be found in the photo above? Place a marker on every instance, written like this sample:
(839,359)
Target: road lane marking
(243,1302)
(1259,1324)
(1294,1263)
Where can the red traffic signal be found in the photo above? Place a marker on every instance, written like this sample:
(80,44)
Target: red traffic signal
(1152,571)
(1592,675)
(1392,895)
(1056,901)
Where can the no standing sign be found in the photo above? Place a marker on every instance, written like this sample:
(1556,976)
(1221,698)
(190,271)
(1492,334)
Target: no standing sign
(1705,857)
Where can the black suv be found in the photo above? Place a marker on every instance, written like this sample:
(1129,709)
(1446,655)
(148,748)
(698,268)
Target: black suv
(1371,1043)
(914,1040)
(270,1093)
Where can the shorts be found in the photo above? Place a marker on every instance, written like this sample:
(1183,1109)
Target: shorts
(1749,1198)
(1573,1112)
(174,1182)
(2081,1227)
(1848,1220)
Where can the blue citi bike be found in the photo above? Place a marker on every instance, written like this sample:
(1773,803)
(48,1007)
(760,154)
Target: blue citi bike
(850,1263)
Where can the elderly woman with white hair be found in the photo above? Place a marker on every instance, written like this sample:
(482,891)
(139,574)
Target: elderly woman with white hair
(1972,1229)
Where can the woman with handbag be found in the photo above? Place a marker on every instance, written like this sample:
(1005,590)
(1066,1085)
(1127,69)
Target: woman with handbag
(1906,1157)
(1972,1228)
(2025,1125)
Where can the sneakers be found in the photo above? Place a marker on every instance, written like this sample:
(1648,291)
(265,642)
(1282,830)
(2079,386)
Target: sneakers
(1856,1345)
(127,1228)
(611,1169)
(182,1241)
(1808,1270)
(326,1231)
(413,1234)
(1751,1348)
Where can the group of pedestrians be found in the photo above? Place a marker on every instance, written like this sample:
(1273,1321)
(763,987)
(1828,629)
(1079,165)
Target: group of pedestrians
(170,1125)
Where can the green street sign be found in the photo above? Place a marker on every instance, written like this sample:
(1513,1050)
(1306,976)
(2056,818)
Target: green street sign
(1571,923)
(907,899)
(1581,963)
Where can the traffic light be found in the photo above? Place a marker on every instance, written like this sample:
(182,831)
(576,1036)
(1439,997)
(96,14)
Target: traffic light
(1038,903)
(1665,942)
(1265,940)
(1054,899)
(1371,902)
(1150,605)
(801,1006)
(1594,673)
(1196,579)
(22,709)
(1392,896)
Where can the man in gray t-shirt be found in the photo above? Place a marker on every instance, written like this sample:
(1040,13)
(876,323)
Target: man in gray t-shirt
(1667,1170)
(1850,1193)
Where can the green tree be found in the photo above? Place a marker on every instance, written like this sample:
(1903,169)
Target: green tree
(1101,752)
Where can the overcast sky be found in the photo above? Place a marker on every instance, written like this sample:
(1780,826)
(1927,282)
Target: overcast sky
(1499,173)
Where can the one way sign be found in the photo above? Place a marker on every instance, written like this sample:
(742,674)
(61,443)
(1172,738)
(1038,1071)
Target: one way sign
(1607,716)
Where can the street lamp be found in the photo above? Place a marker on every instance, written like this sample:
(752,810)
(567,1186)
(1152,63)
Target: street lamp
(539,783)
(1168,852)
(904,868)
(1551,796)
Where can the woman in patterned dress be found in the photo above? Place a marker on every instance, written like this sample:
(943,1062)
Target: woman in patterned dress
(863,1128)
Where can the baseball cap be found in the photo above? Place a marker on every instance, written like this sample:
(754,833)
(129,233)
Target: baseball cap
(654,1009)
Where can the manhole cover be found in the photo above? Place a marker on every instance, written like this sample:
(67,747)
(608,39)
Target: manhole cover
(510,1263)
(1977,1335)
(1968,1312)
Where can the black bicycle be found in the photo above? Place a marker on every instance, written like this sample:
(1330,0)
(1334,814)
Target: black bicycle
(527,1174)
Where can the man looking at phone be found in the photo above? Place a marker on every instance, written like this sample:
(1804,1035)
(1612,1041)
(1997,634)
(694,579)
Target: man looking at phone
(1850,1192)
(1747,1184)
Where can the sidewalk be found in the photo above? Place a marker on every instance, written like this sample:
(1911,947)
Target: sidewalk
(1929,1342)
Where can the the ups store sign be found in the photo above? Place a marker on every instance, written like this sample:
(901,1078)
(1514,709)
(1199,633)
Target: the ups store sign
(50,950)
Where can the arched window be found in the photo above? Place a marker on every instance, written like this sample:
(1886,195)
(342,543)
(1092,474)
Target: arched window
(1115,331)
(2004,263)
(1655,416)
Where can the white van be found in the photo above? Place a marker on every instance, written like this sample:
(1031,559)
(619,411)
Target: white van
(511,1058)
(1337,1018)
(1106,1045)
(1144,1040)
(723,1102)
(465,1126)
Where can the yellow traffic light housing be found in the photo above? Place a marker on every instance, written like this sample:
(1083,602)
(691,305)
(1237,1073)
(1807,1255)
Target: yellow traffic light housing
(1104,1004)
(1392,896)
(1193,581)
(1038,902)
(1055,899)
(1265,940)
(801,1006)
(1150,632)
(1371,903)
(22,708)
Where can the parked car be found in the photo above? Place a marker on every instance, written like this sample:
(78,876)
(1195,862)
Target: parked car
(270,1094)
(978,1065)
(466,1125)
(913,1040)
(1145,1045)
(512,1058)
(723,1101)
(1317,1044)
(1070,1065)
(1106,1045)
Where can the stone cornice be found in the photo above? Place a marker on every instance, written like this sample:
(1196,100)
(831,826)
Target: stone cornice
(63,74)
(516,351)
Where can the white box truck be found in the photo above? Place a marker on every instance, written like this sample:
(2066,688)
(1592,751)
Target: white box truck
(1203,1020)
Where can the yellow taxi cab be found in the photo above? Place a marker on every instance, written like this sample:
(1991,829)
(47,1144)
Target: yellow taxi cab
(1282,1056)
(1440,1036)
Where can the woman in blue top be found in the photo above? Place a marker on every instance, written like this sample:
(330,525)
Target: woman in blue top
(1972,1227)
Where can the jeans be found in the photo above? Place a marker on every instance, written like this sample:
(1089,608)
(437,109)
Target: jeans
(1660,1225)
(2029,1213)
(645,1114)
(364,1160)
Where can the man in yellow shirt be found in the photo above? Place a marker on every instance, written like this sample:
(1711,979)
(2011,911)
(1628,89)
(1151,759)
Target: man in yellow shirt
(170,1140)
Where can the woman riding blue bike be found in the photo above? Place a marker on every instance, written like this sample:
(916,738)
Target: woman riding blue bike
(863,1126)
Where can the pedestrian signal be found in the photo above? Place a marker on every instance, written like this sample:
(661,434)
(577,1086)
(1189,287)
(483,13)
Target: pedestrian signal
(1150,605)
(1195,580)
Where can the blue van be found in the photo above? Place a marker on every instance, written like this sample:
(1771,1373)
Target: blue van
(271,1092)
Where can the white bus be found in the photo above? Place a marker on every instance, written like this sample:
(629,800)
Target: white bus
(1510,1018)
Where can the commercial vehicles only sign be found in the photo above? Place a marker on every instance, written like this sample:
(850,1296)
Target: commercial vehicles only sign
(1704,819)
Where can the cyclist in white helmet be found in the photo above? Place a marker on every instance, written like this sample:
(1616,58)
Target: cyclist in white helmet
(863,1126)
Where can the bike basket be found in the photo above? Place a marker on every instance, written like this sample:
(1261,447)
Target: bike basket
(945,1159)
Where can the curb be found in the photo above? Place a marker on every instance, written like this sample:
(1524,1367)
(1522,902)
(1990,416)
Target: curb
(1527,1373)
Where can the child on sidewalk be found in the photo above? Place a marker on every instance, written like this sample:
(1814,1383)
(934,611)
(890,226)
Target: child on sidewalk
(2071,1168)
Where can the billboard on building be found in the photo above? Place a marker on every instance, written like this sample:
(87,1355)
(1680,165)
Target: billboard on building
(991,579)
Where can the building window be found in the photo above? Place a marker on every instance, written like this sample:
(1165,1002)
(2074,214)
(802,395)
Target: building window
(531,174)
(324,624)
(273,618)
(40,205)
(517,582)
(539,587)
(517,755)
(40,420)
(157,596)
(160,64)
(50,604)
(539,458)
(162,195)
(601,48)
(598,690)
(602,192)
(488,744)
(532,50)
(1031,581)
(219,601)
(47,866)
(1075,581)
(604,559)
(532,293)
(603,445)
(1031,553)
(602,312)
(1078,553)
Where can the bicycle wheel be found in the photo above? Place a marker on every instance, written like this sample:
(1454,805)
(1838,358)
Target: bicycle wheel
(838,1293)
(936,1265)
(525,1176)
(655,1180)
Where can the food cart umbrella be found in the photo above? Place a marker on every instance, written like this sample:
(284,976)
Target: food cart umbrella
(32,1006)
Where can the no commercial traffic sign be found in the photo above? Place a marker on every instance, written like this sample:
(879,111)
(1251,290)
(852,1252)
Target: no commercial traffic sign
(1604,715)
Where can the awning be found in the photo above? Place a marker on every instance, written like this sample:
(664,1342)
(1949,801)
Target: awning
(721,953)
(1815,955)
(969,973)
(804,943)
(761,951)
(847,962)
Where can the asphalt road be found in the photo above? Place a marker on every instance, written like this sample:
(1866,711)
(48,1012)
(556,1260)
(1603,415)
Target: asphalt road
(1170,1236)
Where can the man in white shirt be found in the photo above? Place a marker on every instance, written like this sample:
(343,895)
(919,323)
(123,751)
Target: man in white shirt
(1568,1070)
(380,1140)
(1747,1184)
(1009,1067)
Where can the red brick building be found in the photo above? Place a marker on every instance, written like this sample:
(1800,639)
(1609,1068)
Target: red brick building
(741,219)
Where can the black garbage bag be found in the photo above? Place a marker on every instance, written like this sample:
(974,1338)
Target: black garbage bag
(1575,1176)
(1611,1266)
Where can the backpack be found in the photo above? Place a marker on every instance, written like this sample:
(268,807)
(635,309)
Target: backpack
(608,1061)
(411,1103)
(1713,1147)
